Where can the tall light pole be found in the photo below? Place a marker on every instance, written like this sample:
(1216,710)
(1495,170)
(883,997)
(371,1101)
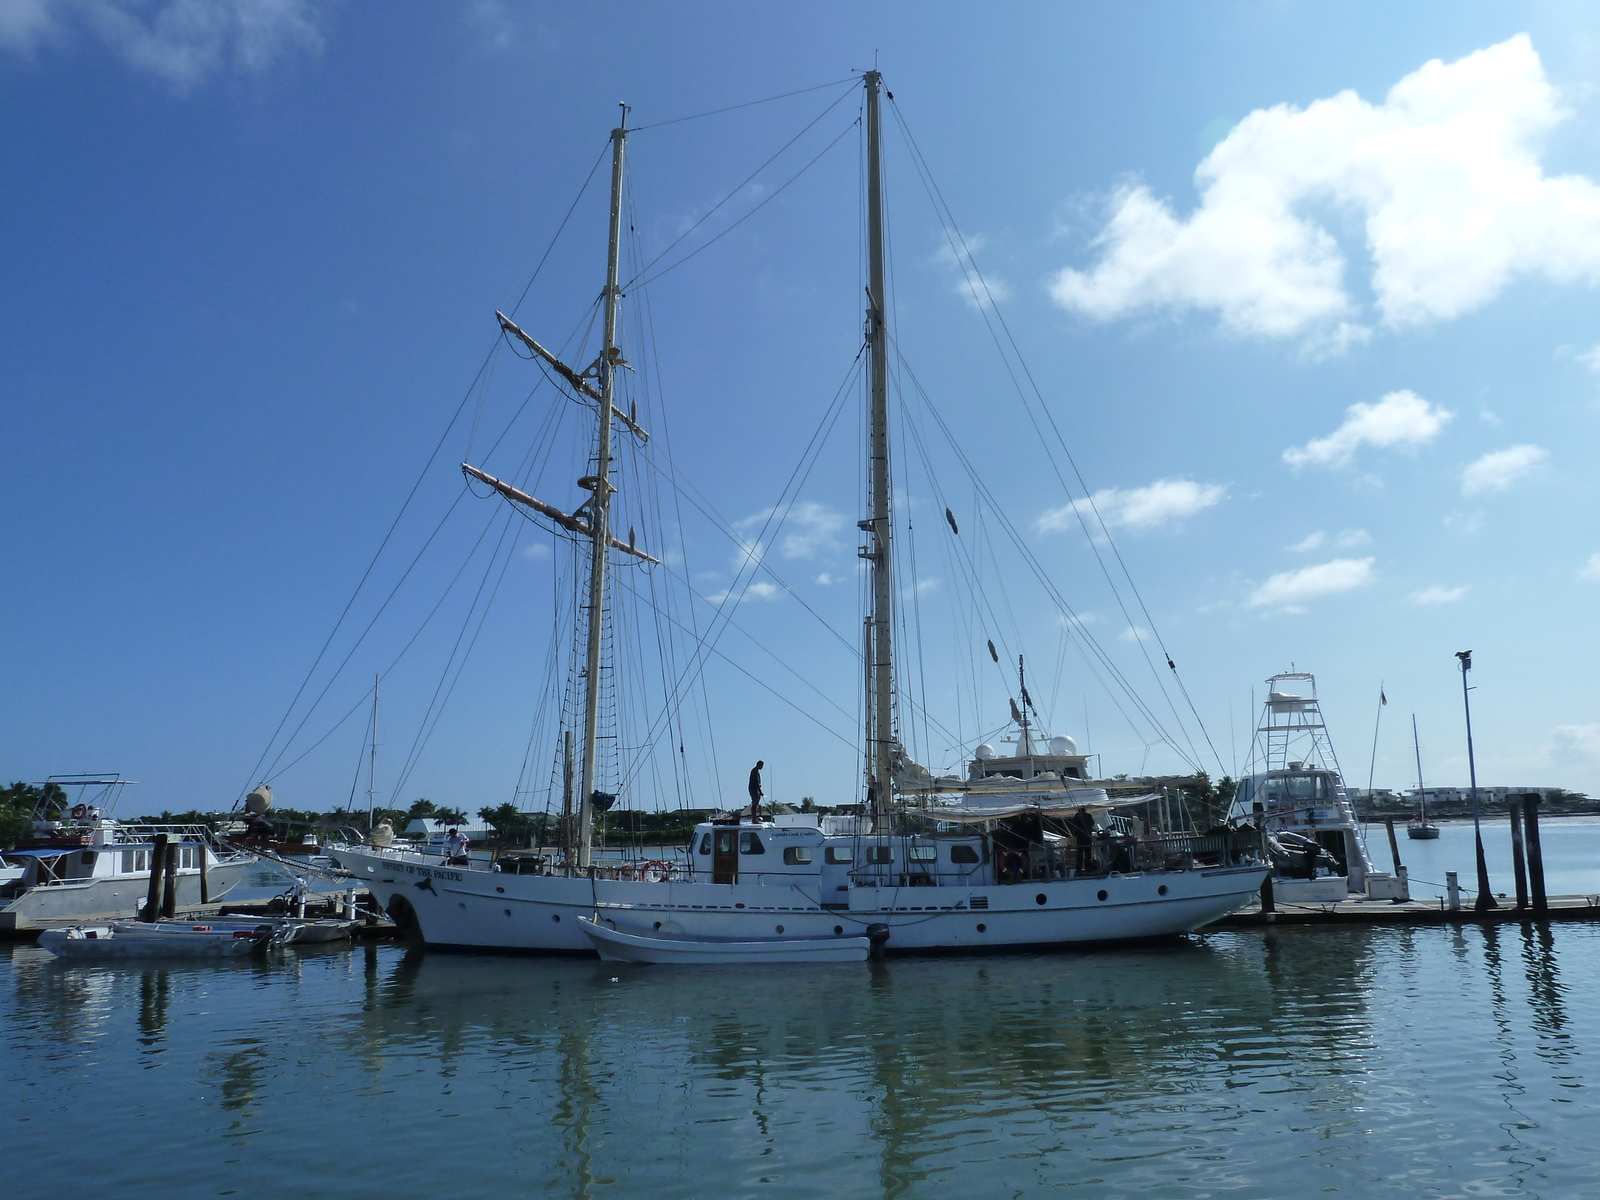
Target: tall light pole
(1485,898)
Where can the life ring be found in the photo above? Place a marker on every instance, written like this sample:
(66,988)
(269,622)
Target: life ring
(1012,866)
(80,811)
(655,871)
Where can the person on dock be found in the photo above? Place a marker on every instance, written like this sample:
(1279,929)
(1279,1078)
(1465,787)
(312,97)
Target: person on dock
(755,790)
(455,846)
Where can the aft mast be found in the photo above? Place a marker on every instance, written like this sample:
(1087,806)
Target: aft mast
(880,701)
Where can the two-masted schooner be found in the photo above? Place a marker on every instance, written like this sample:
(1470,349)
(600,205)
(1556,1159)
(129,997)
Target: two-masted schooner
(1021,852)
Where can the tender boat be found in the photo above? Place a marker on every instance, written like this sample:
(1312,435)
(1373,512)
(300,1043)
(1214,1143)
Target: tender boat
(630,945)
(156,939)
(1024,851)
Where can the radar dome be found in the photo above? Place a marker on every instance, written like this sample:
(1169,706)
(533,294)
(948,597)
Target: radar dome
(986,751)
(1061,744)
(259,800)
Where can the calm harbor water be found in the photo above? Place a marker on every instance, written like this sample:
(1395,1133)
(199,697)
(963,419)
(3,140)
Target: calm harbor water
(1357,1062)
(1571,855)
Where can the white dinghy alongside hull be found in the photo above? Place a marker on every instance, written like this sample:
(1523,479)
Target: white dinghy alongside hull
(627,945)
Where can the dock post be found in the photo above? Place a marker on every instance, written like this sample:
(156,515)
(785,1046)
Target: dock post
(205,883)
(1518,866)
(169,887)
(1535,854)
(1267,902)
(1452,884)
(158,855)
(1394,845)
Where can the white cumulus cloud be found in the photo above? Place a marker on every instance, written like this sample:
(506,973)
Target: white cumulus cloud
(1444,174)
(1399,419)
(1438,595)
(1161,503)
(1497,471)
(1289,588)
(184,42)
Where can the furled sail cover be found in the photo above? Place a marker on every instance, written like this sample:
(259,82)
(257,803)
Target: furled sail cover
(994,803)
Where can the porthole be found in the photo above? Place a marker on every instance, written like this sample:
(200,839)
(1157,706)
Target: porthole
(461,904)
(982,928)
(658,924)
(1101,894)
(738,906)
(500,890)
(507,911)
(555,916)
(1039,899)
(1162,890)
(780,928)
(838,929)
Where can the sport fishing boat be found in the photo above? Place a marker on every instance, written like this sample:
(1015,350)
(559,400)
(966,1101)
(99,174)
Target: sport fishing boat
(82,864)
(1023,851)
(1296,796)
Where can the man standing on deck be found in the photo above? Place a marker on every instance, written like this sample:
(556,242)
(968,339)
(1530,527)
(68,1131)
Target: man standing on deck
(755,791)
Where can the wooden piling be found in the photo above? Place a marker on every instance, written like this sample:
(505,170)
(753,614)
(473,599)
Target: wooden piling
(169,891)
(158,863)
(1519,867)
(205,881)
(1394,845)
(1267,902)
(1530,808)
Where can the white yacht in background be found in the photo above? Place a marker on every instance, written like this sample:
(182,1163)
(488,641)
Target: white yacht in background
(1296,794)
(1021,852)
(83,864)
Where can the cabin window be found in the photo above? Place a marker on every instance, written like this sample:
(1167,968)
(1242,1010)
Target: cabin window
(705,843)
(796,856)
(924,853)
(87,857)
(135,860)
(750,843)
(838,855)
(880,854)
(964,854)
(725,842)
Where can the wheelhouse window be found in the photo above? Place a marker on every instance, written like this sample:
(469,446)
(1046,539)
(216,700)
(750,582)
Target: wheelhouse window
(964,854)
(796,856)
(924,853)
(750,843)
(880,854)
(705,843)
(725,842)
(838,855)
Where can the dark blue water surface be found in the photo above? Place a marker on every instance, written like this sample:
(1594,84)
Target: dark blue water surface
(1343,1062)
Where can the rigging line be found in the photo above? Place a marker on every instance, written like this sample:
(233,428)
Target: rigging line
(1038,569)
(426,467)
(768,199)
(927,174)
(852,81)
(351,653)
(733,192)
(556,237)
(279,772)
(356,778)
(418,746)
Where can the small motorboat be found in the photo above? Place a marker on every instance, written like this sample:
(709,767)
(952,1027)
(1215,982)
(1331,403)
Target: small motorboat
(626,945)
(155,939)
(286,931)
(1421,829)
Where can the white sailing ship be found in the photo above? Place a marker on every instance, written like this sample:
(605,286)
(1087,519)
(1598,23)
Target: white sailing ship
(1022,852)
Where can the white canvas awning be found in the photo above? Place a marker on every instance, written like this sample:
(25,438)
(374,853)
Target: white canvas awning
(990,806)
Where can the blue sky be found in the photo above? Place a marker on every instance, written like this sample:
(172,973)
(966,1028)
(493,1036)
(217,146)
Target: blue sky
(1311,296)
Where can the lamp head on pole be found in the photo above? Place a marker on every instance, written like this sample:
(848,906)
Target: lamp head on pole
(1466,660)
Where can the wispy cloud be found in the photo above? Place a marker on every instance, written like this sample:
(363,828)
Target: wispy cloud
(808,530)
(1290,588)
(1400,419)
(1446,174)
(1312,541)
(759,590)
(1591,569)
(1438,595)
(1498,471)
(1164,502)
(1348,539)
(183,42)
(979,290)
(1134,633)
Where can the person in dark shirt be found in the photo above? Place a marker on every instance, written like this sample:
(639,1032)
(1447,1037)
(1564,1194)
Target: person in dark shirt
(755,790)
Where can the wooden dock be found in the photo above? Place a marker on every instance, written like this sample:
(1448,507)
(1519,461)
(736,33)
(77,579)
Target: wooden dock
(1408,912)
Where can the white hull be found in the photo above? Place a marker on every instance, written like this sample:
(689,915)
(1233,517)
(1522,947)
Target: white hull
(487,910)
(149,941)
(626,945)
